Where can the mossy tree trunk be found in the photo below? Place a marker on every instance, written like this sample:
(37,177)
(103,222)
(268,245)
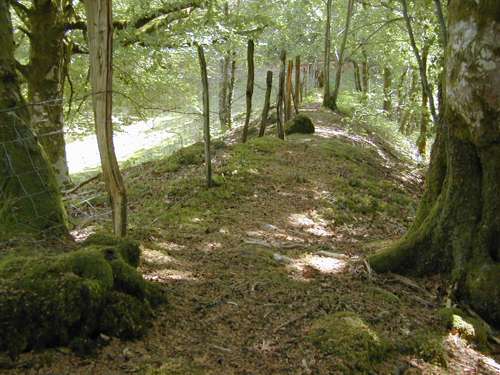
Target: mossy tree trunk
(424,111)
(45,74)
(457,228)
(30,200)
(288,91)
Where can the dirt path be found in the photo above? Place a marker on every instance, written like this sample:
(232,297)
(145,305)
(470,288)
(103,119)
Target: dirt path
(250,265)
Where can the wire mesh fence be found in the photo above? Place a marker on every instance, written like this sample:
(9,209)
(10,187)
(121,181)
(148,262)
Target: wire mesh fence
(26,182)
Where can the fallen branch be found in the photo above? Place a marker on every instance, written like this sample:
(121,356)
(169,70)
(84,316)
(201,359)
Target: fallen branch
(82,184)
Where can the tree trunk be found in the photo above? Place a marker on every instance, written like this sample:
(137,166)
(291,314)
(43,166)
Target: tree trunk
(288,92)
(423,71)
(206,113)
(230,93)
(357,76)
(250,83)
(328,42)
(45,75)
(424,112)
(30,200)
(457,228)
(332,103)
(365,70)
(267,103)
(409,105)
(387,90)
(401,92)
(223,92)
(297,80)
(280,105)
(100,36)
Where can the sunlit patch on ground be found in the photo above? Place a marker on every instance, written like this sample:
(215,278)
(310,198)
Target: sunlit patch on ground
(311,223)
(156,257)
(80,235)
(328,263)
(170,246)
(166,275)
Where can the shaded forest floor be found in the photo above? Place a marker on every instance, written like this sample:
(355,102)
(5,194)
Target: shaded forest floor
(260,269)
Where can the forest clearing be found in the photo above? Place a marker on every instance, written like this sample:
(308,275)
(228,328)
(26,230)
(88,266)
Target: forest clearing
(319,195)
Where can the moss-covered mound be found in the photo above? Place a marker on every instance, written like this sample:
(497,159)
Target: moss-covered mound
(299,124)
(347,337)
(66,299)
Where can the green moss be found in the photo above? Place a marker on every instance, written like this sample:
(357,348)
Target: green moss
(427,345)
(346,336)
(54,299)
(468,327)
(300,124)
(384,295)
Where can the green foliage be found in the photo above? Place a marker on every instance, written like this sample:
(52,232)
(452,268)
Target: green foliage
(348,338)
(65,299)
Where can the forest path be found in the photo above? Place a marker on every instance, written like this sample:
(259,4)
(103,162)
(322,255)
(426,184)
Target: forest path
(250,265)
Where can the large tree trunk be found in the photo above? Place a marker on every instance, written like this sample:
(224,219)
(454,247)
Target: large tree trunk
(45,75)
(100,29)
(30,200)
(328,43)
(332,103)
(457,228)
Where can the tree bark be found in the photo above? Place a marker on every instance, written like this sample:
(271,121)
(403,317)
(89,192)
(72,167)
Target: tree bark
(30,199)
(250,84)
(457,228)
(100,36)
(267,103)
(206,114)
(328,42)
(280,105)
(49,59)
(332,103)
